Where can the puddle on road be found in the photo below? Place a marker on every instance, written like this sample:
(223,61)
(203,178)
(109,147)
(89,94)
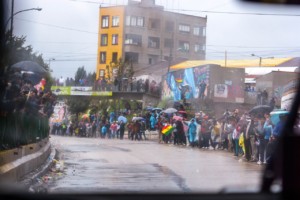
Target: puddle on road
(117,178)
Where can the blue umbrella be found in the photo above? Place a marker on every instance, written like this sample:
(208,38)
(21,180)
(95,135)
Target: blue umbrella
(275,115)
(122,118)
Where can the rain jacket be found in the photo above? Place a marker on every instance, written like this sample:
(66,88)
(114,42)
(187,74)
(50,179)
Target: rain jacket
(192,129)
(152,121)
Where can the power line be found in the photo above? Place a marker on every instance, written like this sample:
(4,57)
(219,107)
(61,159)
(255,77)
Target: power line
(238,13)
(61,27)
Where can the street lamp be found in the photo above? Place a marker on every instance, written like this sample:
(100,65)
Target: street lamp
(260,58)
(50,59)
(13,14)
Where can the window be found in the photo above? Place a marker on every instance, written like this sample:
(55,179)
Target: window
(102,57)
(169,26)
(204,31)
(115,39)
(153,42)
(105,21)
(114,57)
(199,48)
(140,21)
(154,24)
(196,31)
(115,21)
(131,57)
(134,21)
(169,43)
(184,46)
(199,31)
(184,28)
(104,38)
(133,39)
(101,72)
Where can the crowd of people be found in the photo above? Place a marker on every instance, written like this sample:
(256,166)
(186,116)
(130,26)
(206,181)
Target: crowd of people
(25,109)
(248,137)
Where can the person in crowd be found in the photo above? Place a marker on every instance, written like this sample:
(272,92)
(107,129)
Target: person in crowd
(192,129)
(268,131)
(122,129)
(259,132)
(113,129)
(202,88)
(143,130)
(235,137)
(215,134)
(152,122)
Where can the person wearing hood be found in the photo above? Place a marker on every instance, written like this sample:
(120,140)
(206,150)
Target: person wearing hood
(192,129)
(152,121)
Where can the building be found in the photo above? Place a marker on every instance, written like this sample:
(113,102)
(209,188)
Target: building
(143,34)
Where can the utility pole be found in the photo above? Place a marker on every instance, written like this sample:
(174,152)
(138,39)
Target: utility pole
(170,55)
(225,58)
(12,18)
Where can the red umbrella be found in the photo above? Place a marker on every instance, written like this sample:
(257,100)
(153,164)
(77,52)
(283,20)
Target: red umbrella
(176,117)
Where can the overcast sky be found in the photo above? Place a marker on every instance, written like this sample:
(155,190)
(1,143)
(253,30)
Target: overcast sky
(66,30)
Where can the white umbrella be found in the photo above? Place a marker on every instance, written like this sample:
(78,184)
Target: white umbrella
(170,110)
(137,118)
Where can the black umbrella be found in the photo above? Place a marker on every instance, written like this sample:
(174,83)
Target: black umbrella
(28,66)
(260,109)
(29,71)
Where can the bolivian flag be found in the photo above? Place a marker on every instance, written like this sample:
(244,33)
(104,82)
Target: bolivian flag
(166,130)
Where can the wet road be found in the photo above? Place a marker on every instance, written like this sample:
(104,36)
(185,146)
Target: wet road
(102,165)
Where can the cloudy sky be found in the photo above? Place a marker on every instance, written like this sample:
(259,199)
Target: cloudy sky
(66,30)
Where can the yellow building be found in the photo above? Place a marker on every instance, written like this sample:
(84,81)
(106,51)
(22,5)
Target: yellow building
(143,34)
(110,37)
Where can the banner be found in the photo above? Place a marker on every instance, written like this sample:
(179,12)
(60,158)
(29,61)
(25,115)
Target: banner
(78,91)
(221,91)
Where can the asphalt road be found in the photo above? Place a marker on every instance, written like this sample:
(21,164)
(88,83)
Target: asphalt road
(87,165)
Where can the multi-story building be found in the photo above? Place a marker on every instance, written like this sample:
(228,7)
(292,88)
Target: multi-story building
(144,34)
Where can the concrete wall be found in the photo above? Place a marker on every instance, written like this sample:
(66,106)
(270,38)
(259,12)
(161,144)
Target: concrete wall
(274,83)
(16,163)
(230,79)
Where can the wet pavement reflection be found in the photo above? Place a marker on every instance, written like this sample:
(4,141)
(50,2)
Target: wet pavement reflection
(88,165)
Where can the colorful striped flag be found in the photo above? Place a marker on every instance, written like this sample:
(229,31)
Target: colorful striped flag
(166,130)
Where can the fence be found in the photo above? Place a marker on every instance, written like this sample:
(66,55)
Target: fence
(17,129)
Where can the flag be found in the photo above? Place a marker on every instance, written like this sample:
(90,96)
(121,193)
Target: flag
(166,130)
(179,80)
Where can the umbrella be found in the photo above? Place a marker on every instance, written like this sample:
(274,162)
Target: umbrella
(29,67)
(137,118)
(260,109)
(122,118)
(276,114)
(149,108)
(159,109)
(170,110)
(176,117)
(29,71)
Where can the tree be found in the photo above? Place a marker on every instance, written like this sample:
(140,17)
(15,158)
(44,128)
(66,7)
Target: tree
(80,74)
(91,78)
(78,105)
(15,51)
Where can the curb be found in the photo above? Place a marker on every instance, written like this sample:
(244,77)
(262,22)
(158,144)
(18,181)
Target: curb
(31,178)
